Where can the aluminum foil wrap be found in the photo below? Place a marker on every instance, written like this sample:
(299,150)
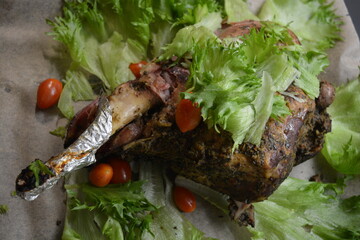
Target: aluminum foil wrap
(80,154)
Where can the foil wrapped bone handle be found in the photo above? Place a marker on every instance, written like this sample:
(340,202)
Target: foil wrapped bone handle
(78,155)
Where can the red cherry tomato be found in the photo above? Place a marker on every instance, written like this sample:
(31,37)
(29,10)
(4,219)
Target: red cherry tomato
(187,115)
(101,174)
(122,171)
(48,93)
(136,67)
(184,199)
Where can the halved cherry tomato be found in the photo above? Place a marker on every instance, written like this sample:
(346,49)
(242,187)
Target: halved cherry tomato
(187,115)
(101,174)
(184,199)
(121,171)
(136,67)
(48,93)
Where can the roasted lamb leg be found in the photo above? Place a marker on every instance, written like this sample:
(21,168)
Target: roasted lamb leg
(249,173)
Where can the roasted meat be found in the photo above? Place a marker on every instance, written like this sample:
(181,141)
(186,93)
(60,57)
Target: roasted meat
(248,174)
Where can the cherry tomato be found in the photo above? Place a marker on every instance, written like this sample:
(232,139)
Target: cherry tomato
(184,199)
(187,115)
(136,67)
(48,93)
(121,171)
(101,174)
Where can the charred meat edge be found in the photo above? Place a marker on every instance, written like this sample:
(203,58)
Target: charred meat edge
(249,174)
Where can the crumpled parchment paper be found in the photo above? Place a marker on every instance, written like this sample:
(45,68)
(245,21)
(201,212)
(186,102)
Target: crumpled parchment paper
(27,57)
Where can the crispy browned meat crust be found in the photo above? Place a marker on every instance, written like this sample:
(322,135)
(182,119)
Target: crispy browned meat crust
(249,173)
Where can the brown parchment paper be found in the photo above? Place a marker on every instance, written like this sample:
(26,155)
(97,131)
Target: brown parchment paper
(27,57)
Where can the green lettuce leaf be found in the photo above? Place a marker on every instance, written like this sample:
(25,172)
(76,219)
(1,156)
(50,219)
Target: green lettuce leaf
(297,64)
(313,21)
(189,13)
(76,88)
(342,144)
(112,212)
(104,37)
(38,167)
(59,132)
(263,104)
(3,209)
(227,78)
(138,210)
(279,108)
(317,27)
(168,222)
(224,87)
(300,209)
(238,10)
(186,40)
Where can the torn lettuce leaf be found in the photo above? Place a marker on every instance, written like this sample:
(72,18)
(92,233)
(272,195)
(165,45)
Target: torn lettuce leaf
(238,10)
(112,212)
(279,108)
(221,83)
(59,132)
(316,25)
(104,37)
(38,167)
(3,209)
(168,222)
(137,210)
(102,40)
(197,12)
(300,209)
(313,21)
(263,104)
(226,77)
(77,88)
(342,144)
(186,41)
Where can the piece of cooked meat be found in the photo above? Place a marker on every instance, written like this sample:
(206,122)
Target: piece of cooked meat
(318,123)
(249,173)
(129,101)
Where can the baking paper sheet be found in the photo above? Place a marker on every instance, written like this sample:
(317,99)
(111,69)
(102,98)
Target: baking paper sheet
(27,57)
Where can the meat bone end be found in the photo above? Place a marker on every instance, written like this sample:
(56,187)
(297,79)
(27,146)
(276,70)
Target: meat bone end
(39,176)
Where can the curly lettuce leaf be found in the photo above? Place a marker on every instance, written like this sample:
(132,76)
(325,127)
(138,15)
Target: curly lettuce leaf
(96,32)
(186,41)
(313,21)
(227,78)
(38,167)
(238,10)
(297,64)
(224,88)
(279,108)
(59,132)
(137,210)
(300,209)
(189,13)
(112,212)
(263,104)
(168,222)
(76,87)
(318,28)
(342,144)
(3,209)
(89,27)
(104,37)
